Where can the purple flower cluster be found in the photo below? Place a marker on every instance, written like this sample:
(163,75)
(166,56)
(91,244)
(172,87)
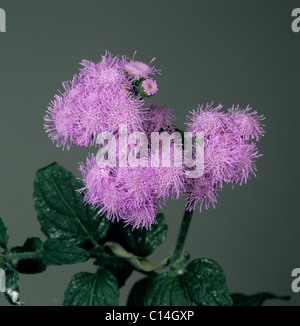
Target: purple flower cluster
(112,93)
(230,151)
(132,194)
(98,99)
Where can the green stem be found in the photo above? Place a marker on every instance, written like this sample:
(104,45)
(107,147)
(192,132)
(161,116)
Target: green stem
(183,231)
(15,257)
(104,257)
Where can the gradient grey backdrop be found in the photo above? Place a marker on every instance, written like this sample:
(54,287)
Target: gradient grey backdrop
(227,51)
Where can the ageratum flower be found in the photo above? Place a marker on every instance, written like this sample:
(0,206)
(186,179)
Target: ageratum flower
(107,73)
(137,69)
(131,194)
(201,190)
(99,99)
(150,87)
(59,117)
(208,120)
(230,152)
(169,180)
(246,123)
(158,118)
(109,94)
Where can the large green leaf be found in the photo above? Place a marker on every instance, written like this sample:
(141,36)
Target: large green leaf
(167,290)
(139,292)
(142,242)
(118,266)
(87,289)
(61,210)
(205,283)
(254,300)
(34,264)
(57,252)
(3,235)
(201,283)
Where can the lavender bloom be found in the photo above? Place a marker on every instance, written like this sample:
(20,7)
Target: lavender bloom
(230,153)
(98,99)
(169,180)
(132,194)
(246,123)
(57,122)
(245,163)
(203,191)
(138,69)
(59,117)
(150,87)
(158,118)
(208,120)
(121,193)
(107,73)
(221,152)
(100,190)
(109,94)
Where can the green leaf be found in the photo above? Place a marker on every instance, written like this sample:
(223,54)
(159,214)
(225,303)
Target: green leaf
(201,283)
(87,289)
(167,290)
(142,242)
(254,300)
(61,209)
(205,283)
(12,287)
(34,263)
(2,262)
(12,278)
(57,252)
(139,292)
(3,235)
(118,266)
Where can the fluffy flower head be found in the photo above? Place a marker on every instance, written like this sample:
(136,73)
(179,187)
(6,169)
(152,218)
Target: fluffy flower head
(230,152)
(131,194)
(138,69)
(98,99)
(158,118)
(209,120)
(247,123)
(150,86)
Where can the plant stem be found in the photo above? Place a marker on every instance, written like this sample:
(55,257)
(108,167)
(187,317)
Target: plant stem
(15,257)
(183,231)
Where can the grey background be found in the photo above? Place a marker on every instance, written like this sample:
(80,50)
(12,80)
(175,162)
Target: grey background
(229,52)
